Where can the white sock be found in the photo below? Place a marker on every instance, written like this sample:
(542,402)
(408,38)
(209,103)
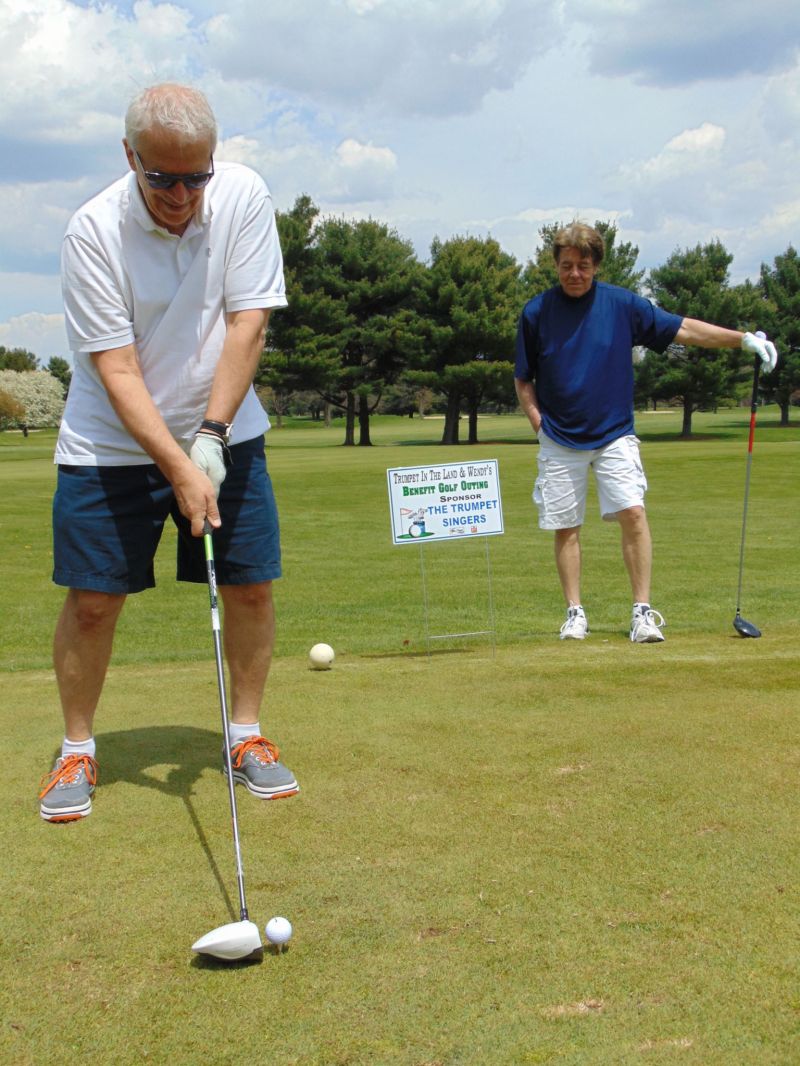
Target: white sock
(640,608)
(78,747)
(238,732)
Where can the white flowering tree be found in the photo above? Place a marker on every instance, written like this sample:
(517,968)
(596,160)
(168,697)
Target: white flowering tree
(40,395)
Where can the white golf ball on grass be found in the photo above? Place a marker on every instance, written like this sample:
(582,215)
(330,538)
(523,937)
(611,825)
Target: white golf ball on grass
(278,931)
(321,657)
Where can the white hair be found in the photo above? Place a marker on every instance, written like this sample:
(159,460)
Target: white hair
(177,108)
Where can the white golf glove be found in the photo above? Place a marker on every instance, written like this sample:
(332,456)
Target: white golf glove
(757,344)
(210,454)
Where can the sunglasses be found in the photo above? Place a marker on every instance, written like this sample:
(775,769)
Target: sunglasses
(158,180)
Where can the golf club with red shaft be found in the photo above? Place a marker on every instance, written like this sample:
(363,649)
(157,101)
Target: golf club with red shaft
(743,627)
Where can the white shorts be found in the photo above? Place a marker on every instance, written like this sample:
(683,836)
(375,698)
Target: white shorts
(562,484)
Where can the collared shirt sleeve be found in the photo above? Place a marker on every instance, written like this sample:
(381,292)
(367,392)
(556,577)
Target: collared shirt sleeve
(254,270)
(97,314)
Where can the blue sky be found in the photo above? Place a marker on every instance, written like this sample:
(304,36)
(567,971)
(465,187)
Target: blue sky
(679,120)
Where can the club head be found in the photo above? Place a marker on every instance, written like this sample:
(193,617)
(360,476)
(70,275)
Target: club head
(232,942)
(745,628)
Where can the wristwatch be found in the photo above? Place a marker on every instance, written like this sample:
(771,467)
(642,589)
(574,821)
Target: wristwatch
(222,429)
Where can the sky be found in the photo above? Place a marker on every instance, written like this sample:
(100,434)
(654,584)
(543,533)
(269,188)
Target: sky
(678,120)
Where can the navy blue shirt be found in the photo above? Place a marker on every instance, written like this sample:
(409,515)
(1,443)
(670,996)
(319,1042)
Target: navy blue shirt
(578,352)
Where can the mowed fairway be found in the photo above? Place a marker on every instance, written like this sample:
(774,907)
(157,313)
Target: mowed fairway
(537,852)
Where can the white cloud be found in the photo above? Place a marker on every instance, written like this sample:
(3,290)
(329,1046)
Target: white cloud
(394,57)
(365,172)
(47,46)
(780,107)
(783,222)
(680,42)
(352,154)
(519,233)
(44,335)
(70,69)
(363,7)
(540,216)
(688,152)
(437,116)
(42,291)
(33,217)
(353,172)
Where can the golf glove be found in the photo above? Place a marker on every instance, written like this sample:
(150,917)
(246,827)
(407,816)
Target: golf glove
(757,344)
(210,454)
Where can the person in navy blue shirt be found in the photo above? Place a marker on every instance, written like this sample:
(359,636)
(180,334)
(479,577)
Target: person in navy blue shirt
(574,380)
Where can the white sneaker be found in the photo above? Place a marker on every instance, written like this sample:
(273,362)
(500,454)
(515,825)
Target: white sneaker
(646,626)
(576,627)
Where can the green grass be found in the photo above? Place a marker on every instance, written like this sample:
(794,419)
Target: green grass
(557,853)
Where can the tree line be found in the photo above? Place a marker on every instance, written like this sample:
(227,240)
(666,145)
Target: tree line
(370,327)
(369,324)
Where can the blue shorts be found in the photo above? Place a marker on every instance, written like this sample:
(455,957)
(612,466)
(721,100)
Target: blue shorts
(108,521)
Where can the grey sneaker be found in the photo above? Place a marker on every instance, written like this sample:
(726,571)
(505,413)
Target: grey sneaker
(255,765)
(646,626)
(66,792)
(576,626)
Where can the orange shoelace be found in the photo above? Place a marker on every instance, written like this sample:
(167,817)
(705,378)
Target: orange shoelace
(68,772)
(261,748)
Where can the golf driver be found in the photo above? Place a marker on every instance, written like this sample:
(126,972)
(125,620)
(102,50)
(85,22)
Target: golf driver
(236,940)
(741,625)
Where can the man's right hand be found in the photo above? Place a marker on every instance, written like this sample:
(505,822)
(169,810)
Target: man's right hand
(195,492)
(196,498)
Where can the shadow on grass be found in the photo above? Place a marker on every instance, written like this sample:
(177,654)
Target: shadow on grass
(208,962)
(128,754)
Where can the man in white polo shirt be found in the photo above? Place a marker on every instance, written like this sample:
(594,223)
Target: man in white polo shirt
(169,277)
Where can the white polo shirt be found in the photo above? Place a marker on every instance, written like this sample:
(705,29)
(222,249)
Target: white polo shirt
(126,280)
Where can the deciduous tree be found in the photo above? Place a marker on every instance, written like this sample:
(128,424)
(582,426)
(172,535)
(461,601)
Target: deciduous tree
(12,412)
(39,393)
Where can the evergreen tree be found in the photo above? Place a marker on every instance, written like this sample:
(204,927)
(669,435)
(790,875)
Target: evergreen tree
(60,369)
(473,302)
(694,283)
(353,291)
(780,285)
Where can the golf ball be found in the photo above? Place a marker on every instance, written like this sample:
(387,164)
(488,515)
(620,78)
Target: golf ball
(321,657)
(278,930)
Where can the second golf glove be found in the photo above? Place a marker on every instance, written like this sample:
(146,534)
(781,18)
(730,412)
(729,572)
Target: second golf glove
(760,346)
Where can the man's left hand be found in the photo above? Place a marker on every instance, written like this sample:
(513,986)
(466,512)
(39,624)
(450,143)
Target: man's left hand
(209,453)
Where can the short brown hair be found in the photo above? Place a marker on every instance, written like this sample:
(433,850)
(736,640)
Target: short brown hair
(578,235)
